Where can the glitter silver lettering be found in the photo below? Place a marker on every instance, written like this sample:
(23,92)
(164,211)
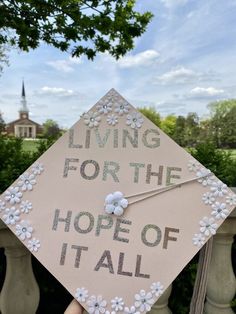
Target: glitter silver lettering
(112,171)
(136,166)
(118,229)
(96,169)
(90,224)
(67,220)
(101,225)
(155,140)
(133,140)
(102,142)
(120,266)
(71,140)
(167,236)
(144,235)
(79,250)
(105,256)
(154,174)
(170,176)
(63,254)
(138,267)
(67,166)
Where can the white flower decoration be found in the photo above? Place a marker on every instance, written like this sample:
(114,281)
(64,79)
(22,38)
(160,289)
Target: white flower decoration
(108,312)
(204,176)
(27,181)
(122,108)
(219,210)
(198,239)
(81,294)
(115,203)
(96,304)
(13,195)
(33,245)
(208,198)
(157,288)
(104,108)
(135,120)
(144,301)
(117,304)
(91,119)
(37,168)
(2,205)
(193,166)
(24,230)
(112,119)
(131,310)
(218,188)
(26,206)
(11,216)
(208,226)
(230,199)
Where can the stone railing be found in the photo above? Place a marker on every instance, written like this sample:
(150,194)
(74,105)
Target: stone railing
(20,292)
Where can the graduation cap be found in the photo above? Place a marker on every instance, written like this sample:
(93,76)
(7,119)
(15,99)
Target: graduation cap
(115,208)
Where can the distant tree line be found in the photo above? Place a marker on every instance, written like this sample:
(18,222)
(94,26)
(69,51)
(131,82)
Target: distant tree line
(190,130)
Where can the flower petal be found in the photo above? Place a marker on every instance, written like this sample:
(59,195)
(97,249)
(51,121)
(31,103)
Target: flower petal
(124,202)
(118,211)
(118,195)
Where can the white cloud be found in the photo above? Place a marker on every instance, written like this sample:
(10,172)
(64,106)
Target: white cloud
(56,91)
(75,60)
(144,58)
(166,108)
(208,92)
(37,106)
(183,75)
(66,65)
(174,3)
(179,75)
(61,65)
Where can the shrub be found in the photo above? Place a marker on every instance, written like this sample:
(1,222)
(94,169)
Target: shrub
(221,162)
(13,160)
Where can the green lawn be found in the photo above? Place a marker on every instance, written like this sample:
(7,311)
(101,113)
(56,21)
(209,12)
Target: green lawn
(30,145)
(233,152)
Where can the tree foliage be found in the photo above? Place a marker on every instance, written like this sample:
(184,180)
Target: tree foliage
(51,129)
(151,114)
(168,124)
(2,123)
(219,161)
(223,122)
(4,59)
(79,26)
(189,131)
(13,160)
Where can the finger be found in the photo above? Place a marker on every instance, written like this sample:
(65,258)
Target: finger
(74,308)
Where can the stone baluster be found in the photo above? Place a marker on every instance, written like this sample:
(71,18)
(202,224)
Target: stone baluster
(221,286)
(161,306)
(20,292)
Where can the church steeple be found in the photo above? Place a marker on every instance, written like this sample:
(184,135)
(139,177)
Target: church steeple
(24,111)
(23,90)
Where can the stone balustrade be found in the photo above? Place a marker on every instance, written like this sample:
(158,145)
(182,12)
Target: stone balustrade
(20,292)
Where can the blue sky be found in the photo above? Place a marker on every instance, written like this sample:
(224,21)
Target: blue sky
(186,59)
